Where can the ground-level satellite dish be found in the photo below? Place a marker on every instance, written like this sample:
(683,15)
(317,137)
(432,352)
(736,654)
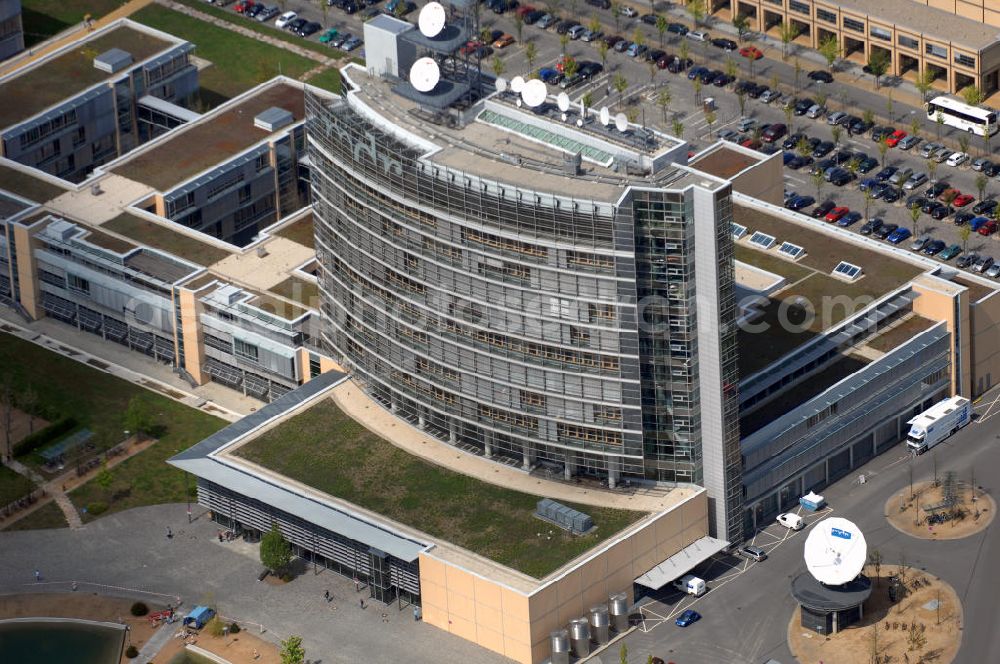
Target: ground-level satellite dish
(534,93)
(424,74)
(517,83)
(563,101)
(431,19)
(835,551)
(605,116)
(501,84)
(621,122)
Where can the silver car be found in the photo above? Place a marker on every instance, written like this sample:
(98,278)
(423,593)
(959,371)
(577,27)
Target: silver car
(901,176)
(921,242)
(915,181)
(908,142)
(769,96)
(942,155)
(835,118)
(929,149)
(816,111)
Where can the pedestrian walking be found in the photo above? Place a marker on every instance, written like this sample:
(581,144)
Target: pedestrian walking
(362,603)
(326,595)
(170,533)
(416,614)
(38,576)
(220,537)
(357,585)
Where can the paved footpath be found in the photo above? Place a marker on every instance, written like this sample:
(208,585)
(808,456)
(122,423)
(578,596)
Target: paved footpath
(128,553)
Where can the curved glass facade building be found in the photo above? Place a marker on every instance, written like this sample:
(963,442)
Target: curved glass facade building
(578,322)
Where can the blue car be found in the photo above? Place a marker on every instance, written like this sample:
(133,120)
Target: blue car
(549,75)
(869,183)
(788,156)
(899,235)
(849,218)
(978,223)
(696,72)
(886,173)
(688,617)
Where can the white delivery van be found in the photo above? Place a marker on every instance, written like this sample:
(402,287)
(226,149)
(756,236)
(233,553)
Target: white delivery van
(791,521)
(691,585)
(937,423)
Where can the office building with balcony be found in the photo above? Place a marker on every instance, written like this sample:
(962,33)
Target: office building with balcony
(11,29)
(95,99)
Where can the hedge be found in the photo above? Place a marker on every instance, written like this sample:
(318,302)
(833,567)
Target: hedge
(44,436)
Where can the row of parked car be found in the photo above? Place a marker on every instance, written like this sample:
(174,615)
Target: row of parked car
(303,27)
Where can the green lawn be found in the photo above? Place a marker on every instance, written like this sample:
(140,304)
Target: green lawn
(47,516)
(43,18)
(328,450)
(13,485)
(328,79)
(97,400)
(238,63)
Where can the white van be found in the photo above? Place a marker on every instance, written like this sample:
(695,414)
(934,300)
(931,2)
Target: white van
(791,521)
(691,585)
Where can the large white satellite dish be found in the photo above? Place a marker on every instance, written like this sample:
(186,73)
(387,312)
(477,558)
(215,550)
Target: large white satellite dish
(563,101)
(621,122)
(605,116)
(835,551)
(517,83)
(534,93)
(424,74)
(501,84)
(431,19)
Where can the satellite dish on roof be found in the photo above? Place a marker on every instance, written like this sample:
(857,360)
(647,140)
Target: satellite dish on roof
(621,122)
(517,83)
(605,116)
(431,19)
(534,93)
(563,101)
(501,84)
(835,551)
(424,74)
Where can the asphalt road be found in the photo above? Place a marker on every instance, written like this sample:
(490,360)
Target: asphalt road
(748,607)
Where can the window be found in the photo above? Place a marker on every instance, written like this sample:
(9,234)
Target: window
(599,312)
(80,137)
(854,24)
(314,365)
(607,414)
(578,336)
(965,60)
(51,278)
(908,42)
(935,377)
(881,33)
(218,344)
(826,15)
(800,7)
(936,51)
(244,196)
(822,415)
(78,284)
(588,434)
(245,350)
(532,401)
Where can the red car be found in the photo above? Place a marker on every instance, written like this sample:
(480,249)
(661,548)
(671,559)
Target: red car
(243,6)
(836,213)
(949,195)
(893,139)
(989,228)
(561,65)
(470,47)
(962,200)
(524,10)
(751,52)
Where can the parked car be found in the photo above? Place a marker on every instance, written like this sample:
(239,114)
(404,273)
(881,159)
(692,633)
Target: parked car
(773,132)
(821,76)
(547,21)
(908,142)
(266,14)
(934,247)
(549,75)
(941,211)
(698,36)
(798,203)
(942,155)
(678,29)
(650,19)
(822,209)
(769,95)
(915,181)
(635,50)
(834,118)
(836,213)
(950,252)
(791,521)
(866,164)
(285,19)
(994,271)
(307,29)
(967,260)
(963,218)
(801,106)
(899,235)
(815,111)
(886,231)
(840,176)
(977,223)
(893,139)
(591,35)
(886,173)
(891,194)
(989,228)
(629,12)
(878,133)
(982,264)
(962,200)
(901,176)
(871,226)
(849,219)
(688,617)
(938,188)
(857,126)
(980,163)
(929,149)
(724,44)
(958,158)
(751,52)
(823,148)
(503,41)
(328,36)
(754,553)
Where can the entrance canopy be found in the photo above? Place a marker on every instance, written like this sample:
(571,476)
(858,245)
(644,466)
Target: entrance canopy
(682,562)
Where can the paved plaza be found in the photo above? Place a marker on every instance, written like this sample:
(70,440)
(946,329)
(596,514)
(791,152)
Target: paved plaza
(129,552)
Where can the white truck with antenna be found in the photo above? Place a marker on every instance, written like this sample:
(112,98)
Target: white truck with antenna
(937,423)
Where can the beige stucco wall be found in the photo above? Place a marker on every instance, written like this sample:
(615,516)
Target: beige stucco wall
(985,318)
(191,332)
(516,623)
(937,302)
(764,180)
(26,271)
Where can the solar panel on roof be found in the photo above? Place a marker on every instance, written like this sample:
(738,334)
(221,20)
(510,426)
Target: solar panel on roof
(762,240)
(847,270)
(790,250)
(739,230)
